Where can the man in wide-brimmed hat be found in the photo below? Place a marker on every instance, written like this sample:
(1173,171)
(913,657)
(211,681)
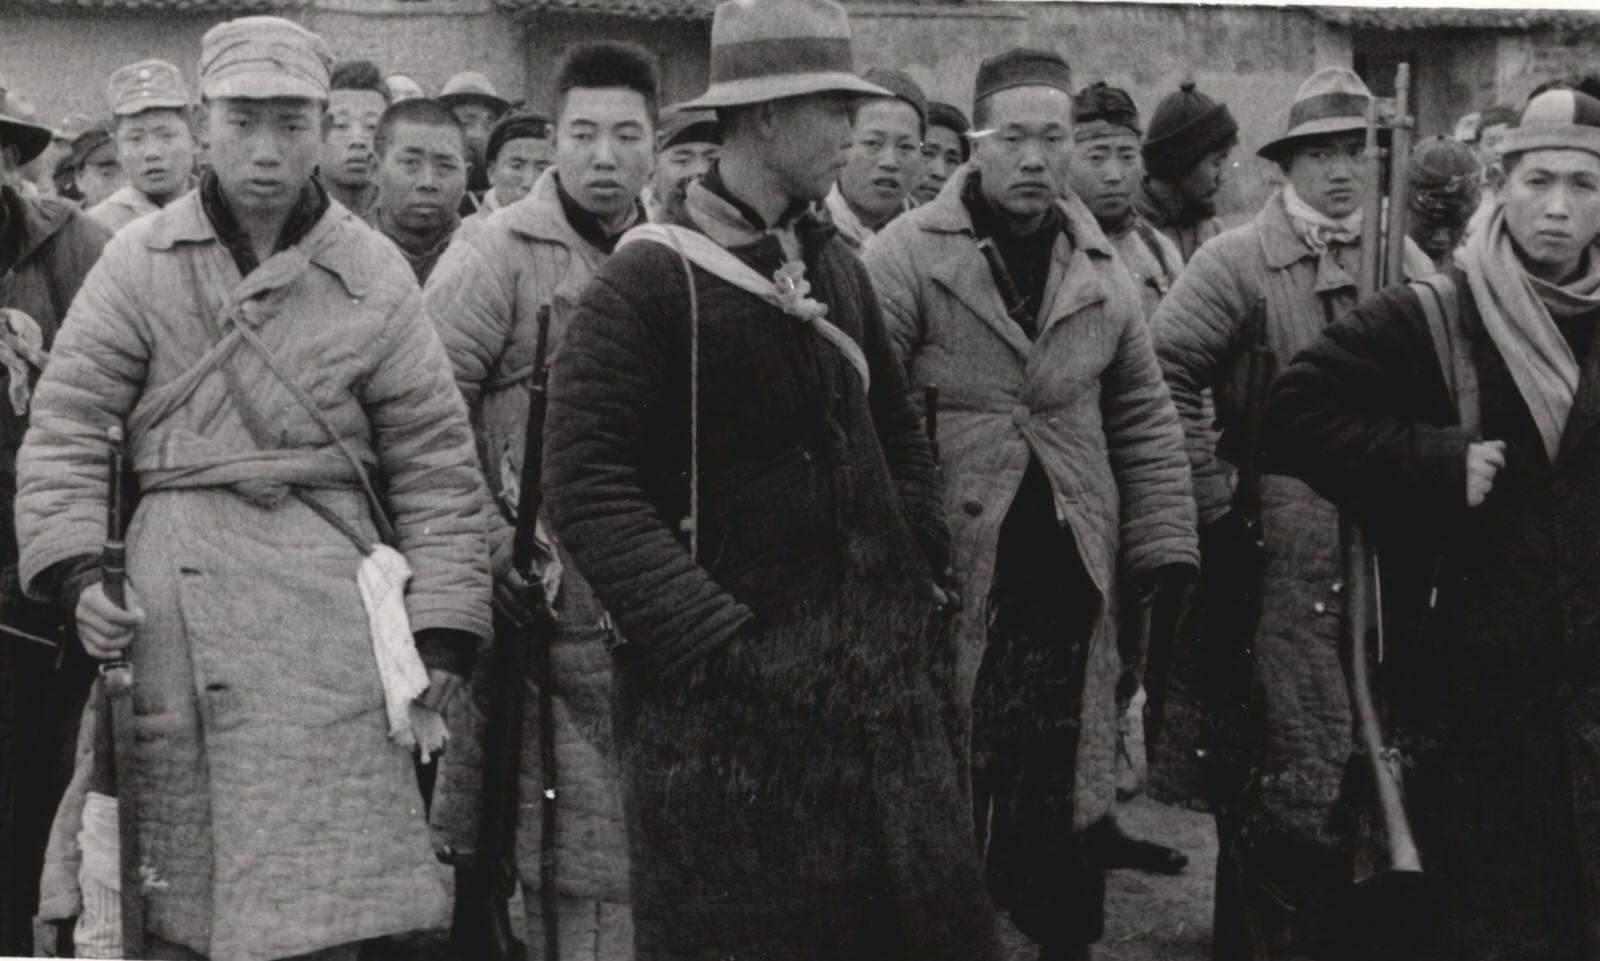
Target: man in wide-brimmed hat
(1005,293)
(1458,418)
(284,669)
(150,109)
(1283,874)
(478,106)
(47,246)
(736,466)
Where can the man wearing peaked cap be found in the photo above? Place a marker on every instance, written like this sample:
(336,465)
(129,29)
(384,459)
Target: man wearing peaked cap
(944,148)
(150,108)
(687,145)
(987,294)
(1460,415)
(47,247)
(885,162)
(735,463)
(1284,882)
(1186,153)
(232,332)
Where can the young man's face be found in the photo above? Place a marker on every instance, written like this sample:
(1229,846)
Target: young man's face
(263,151)
(680,165)
(1326,173)
(348,156)
(1023,153)
(101,174)
(941,155)
(1103,172)
(517,166)
(807,142)
(1552,201)
(885,159)
(1200,183)
(604,148)
(422,175)
(156,150)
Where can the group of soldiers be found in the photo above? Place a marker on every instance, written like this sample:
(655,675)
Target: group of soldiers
(843,459)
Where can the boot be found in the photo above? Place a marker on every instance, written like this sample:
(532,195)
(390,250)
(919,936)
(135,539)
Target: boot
(480,929)
(1111,848)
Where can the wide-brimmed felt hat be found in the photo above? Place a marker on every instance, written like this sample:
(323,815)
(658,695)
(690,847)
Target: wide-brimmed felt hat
(1332,100)
(469,86)
(28,137)
(765,50)
(1560,119)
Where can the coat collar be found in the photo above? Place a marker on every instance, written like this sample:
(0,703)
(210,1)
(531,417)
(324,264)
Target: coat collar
(331,244)
(539,216)
(1279,242)
(41,217)
(1074,282)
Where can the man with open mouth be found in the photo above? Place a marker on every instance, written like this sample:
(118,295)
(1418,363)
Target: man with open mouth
(155,142)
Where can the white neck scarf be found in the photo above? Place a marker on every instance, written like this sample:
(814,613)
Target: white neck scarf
(1317,229)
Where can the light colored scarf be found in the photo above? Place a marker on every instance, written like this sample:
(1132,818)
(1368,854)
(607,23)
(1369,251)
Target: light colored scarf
(1519,312)
(1317,229)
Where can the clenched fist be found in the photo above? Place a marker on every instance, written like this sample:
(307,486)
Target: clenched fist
(1485,461)
(105,629)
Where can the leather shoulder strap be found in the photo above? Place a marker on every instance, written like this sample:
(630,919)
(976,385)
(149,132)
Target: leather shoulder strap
(1441,305)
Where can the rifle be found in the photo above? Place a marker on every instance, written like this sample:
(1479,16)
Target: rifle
(1394,851)
(114,731)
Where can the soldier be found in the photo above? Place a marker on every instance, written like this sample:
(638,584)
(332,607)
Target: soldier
(1104,172)
(486,296)
(1064,475)
(1445,190)
(1282,877)
(519,152)
(1471,459)
(688,145)
(885,161)
(355,106)
(944,148)
(150,106)
(753,498)
(268,355)
(46,249)
(96,171)
(478,107)
(1185,156)
(422,173)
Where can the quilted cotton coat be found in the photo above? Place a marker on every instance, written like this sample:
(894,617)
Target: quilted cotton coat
(275,807)
(1086,399)
(485,297)
(39,703)
(1201,339)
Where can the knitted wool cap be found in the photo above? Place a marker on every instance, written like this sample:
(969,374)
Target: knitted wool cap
(1022,67)
(1444,176)
(1101,110)
(899,83)
(515,126)
(1556,120)
(1186,126)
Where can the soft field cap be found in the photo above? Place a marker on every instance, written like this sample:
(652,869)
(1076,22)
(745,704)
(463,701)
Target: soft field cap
(1557,119)
(765,50)
(146,85)
(258,58)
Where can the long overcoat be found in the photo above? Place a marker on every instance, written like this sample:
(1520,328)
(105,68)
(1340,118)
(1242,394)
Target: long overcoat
(1491,678)
(1086,400)
(275,808)
(485,297)
(1202,339)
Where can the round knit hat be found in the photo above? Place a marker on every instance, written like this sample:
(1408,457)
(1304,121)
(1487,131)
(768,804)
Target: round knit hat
(1186,126)
(1101,110)
(1556,120)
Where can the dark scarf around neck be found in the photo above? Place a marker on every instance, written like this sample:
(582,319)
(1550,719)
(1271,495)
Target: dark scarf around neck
(1026,257)
(312,203)
(589,227)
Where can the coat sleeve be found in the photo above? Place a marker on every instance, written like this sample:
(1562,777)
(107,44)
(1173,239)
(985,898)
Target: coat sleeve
(611,372)
(95,375)
(1198,331)
(901,431)
(1145,445)
(82,241)
(1363,415)
(435,490)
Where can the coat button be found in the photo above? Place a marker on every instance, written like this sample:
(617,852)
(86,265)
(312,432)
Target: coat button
(1320,607)
(1020,415)
(1338,587)
(972,508)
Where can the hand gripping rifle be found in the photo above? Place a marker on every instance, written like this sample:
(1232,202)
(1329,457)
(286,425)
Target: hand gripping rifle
(1393,851)
(114,731)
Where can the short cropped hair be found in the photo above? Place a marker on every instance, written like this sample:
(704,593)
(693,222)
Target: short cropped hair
(607,63)
(420,111)
(359,75)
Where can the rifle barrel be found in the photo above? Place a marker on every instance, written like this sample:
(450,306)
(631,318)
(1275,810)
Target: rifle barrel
(1399,182)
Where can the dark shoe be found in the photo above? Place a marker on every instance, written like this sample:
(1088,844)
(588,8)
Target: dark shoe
(481,927)
(1113,850)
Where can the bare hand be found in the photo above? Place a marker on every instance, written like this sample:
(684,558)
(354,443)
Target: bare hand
(1485,460)
(105,629)
(443,687)
(511,598)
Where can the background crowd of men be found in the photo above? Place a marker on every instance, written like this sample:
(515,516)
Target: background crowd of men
(832,666)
